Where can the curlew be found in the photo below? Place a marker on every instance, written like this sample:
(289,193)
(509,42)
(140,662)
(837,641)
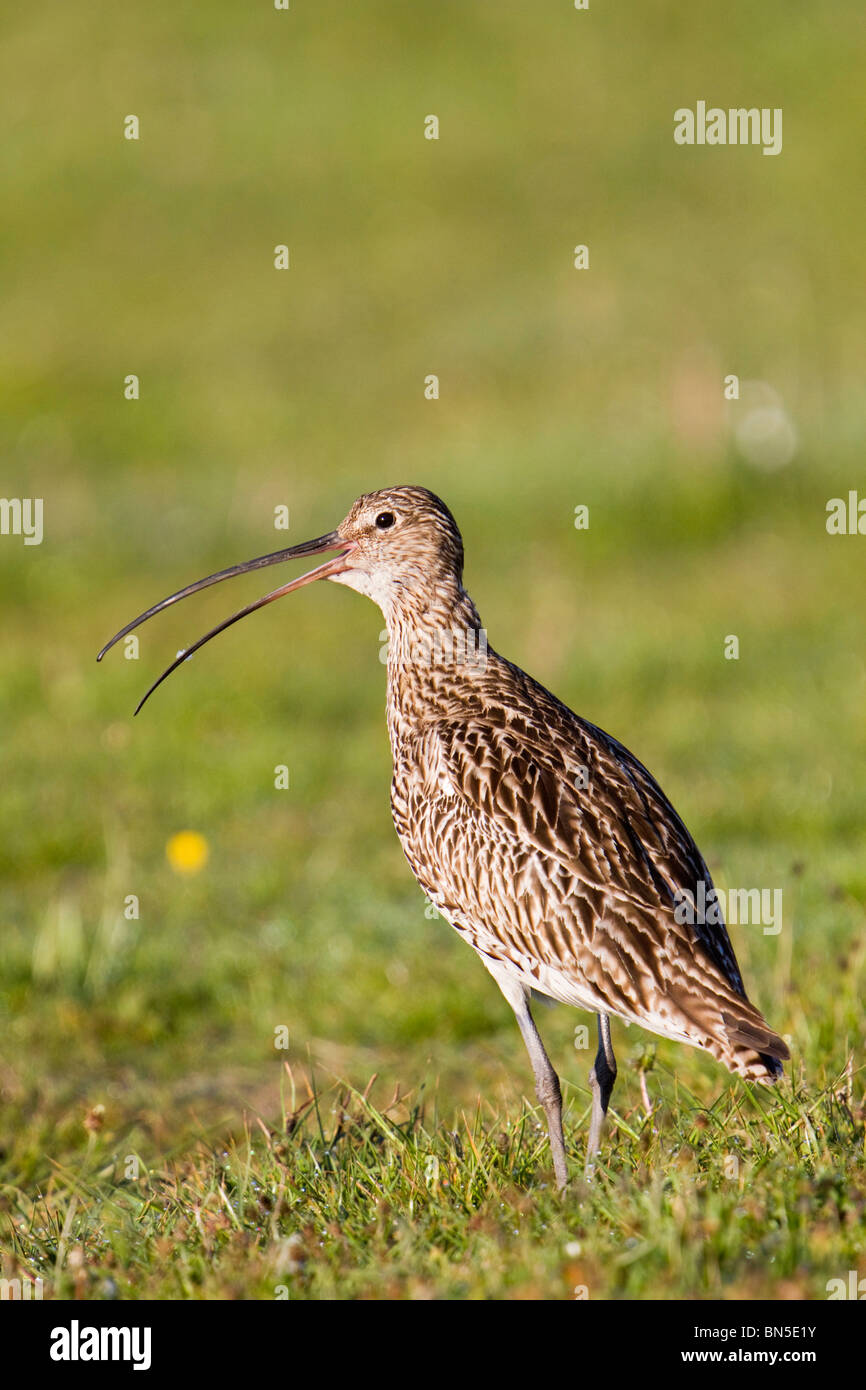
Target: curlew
(538,837)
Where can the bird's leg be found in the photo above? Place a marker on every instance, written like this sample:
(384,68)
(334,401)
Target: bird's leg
(546,1088)
(601,1080)
(546,1079)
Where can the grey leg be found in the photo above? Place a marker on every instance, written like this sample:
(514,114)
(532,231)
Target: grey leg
(601,1080)
(546,1079)
(548,1092)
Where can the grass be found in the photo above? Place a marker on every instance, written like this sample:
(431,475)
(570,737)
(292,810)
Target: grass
(346,1198)
(152,1142)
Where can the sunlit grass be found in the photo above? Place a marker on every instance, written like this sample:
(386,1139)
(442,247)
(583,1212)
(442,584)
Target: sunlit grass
(151,1143)
(354,1197)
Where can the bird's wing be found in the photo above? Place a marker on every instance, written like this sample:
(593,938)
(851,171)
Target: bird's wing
(571,850)
(580,798)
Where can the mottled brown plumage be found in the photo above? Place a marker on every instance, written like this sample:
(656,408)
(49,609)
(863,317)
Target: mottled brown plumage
(541,839)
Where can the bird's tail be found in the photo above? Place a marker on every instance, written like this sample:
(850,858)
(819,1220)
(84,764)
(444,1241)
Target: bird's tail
(753,1050)
(728,1026)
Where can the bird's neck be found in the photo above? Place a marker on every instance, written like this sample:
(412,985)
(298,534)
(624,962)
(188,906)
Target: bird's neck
(436,647)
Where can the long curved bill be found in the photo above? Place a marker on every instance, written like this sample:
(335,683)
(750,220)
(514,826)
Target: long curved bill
(332,541)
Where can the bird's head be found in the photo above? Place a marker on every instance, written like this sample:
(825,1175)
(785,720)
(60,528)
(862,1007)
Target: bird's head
(403,542)
(400,546)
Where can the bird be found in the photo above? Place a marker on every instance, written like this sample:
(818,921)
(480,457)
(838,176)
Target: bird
(540,838)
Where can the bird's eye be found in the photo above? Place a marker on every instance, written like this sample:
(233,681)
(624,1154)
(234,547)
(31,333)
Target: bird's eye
(384,520)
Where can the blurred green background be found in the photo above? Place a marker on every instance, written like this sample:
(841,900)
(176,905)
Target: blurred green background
(558,387)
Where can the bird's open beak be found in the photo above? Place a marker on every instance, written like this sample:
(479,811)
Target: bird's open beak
(332,541)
